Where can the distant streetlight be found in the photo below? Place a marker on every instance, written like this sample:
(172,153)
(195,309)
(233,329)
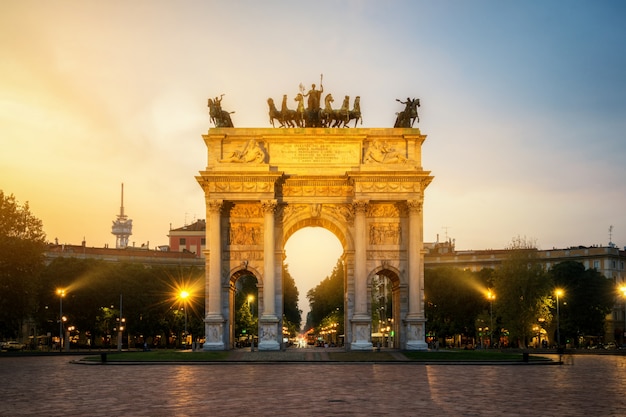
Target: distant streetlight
(250,335)
(61,294)
(184,295)
(250,300)
(491,296)
(559,293)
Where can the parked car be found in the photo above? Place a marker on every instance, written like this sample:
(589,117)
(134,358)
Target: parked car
(13,345)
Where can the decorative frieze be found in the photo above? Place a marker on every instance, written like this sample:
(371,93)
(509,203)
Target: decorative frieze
(385,234)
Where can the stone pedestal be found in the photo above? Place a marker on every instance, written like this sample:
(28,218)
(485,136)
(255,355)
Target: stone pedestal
(214,328)
(415,334)
(361,331)
(269,334)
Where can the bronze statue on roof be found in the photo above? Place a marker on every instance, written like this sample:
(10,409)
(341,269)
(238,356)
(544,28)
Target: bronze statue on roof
(407,117)
(219,117)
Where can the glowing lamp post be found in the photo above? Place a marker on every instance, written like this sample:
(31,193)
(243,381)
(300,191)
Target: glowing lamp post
(623,290)
(558,293)
(183,296)
(61,294)
(250,335)
(491,296)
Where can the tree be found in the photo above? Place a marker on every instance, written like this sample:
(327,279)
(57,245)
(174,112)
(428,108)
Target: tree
(327,297)
(588,297)
(522,290)
(246,315)
(292,314)
(22,244)
(454,299)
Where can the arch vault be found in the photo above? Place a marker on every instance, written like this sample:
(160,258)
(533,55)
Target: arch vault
(364,185)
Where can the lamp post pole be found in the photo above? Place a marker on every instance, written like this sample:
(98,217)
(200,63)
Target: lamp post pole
(183,295)
(491,296)
(558,319)
(120,328)
(61,294)
(623,289)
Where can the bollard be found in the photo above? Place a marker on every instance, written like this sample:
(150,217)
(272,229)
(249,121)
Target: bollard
(103,357)
(525,356)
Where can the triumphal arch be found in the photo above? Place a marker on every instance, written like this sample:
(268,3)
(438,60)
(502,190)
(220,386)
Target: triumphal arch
(365,185)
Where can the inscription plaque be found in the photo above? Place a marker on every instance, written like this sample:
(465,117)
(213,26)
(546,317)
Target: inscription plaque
(315,153)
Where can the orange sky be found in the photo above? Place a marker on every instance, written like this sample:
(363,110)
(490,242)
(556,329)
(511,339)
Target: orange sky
(523,105)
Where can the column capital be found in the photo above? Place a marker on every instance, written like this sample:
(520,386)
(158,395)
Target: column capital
(360,206)
(269,206)
(415,206)
(214,206)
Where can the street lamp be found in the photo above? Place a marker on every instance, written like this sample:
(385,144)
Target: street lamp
(250,334)
(61,294)
(250,300)
(184,295)
(559,293)
(623,290)
(491,296)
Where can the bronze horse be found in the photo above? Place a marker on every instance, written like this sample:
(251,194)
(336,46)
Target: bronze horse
(274,113)
(407,117)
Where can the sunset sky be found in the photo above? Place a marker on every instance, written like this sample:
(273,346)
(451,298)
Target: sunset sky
(523,102)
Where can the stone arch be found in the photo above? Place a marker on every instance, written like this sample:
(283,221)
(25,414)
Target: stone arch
(320,178)
(231,292)
(398,291)
(329,224)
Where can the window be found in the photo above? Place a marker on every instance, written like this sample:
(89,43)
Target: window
(596,264)
(182,241)
(203,241)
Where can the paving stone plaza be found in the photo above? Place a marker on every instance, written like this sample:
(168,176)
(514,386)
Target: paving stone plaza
(586,385)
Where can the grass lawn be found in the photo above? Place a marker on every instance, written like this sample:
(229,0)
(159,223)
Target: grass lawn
(164,355)
(468,355)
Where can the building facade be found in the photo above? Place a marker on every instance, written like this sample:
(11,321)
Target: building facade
(609,260)
(189,238)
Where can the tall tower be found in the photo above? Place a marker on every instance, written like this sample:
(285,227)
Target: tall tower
(122,227)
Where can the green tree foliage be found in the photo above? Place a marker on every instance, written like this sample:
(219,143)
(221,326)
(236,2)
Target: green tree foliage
(522,289)
(327,297)
(587,298)
(22,243)
(149,296)
(454,299)
(291,313)
(246,306)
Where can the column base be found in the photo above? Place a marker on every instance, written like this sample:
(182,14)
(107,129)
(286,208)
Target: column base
(416,345)
(268,345)
(207,346)
(361,345)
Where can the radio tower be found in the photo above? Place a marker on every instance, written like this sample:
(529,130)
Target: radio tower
(122,227)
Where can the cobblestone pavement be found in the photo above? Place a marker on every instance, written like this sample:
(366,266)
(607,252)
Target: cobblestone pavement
(52,386)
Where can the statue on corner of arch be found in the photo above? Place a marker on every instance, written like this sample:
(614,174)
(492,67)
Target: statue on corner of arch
(219,117)
(408,117)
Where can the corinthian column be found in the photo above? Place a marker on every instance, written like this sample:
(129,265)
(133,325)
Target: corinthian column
(269,296)
(360,258)
(415,318)
(361,321)
(269,334)
(214,321)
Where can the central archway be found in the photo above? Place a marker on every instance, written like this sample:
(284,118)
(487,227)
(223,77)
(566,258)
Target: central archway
(311,255)
(320,178)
